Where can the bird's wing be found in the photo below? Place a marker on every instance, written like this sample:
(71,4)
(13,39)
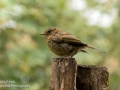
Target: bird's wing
(68,38)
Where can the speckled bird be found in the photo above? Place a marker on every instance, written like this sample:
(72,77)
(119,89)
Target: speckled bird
(65,44)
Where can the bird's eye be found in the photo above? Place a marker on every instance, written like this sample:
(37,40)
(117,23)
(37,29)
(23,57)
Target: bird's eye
(49,31)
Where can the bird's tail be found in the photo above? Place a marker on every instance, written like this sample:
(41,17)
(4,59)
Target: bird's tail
(95,48)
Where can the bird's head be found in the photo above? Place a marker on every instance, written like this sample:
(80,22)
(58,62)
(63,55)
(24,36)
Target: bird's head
(50,31)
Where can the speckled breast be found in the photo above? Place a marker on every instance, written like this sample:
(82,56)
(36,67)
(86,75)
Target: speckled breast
(61,49)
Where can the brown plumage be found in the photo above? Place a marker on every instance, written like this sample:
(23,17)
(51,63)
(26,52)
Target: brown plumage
(65,44)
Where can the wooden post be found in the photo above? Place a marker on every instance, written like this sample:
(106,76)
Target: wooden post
(92,78)
(67,75)
(64,71)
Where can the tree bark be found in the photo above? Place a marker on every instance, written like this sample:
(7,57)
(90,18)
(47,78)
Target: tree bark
(64,71)
(92,78)
(67,75)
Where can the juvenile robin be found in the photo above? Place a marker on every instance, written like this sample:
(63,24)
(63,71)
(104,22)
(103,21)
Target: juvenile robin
(65,44)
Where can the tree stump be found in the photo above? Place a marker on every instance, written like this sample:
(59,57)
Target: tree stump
(64,71)
(67,75)
(92,78)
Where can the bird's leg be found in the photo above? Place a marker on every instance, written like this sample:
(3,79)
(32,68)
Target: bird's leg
(63,56)
(66,56)
(69,56)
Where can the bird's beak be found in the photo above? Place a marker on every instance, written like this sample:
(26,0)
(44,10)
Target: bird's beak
(42,34)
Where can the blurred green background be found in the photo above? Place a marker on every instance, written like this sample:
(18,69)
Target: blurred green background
(24,55)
